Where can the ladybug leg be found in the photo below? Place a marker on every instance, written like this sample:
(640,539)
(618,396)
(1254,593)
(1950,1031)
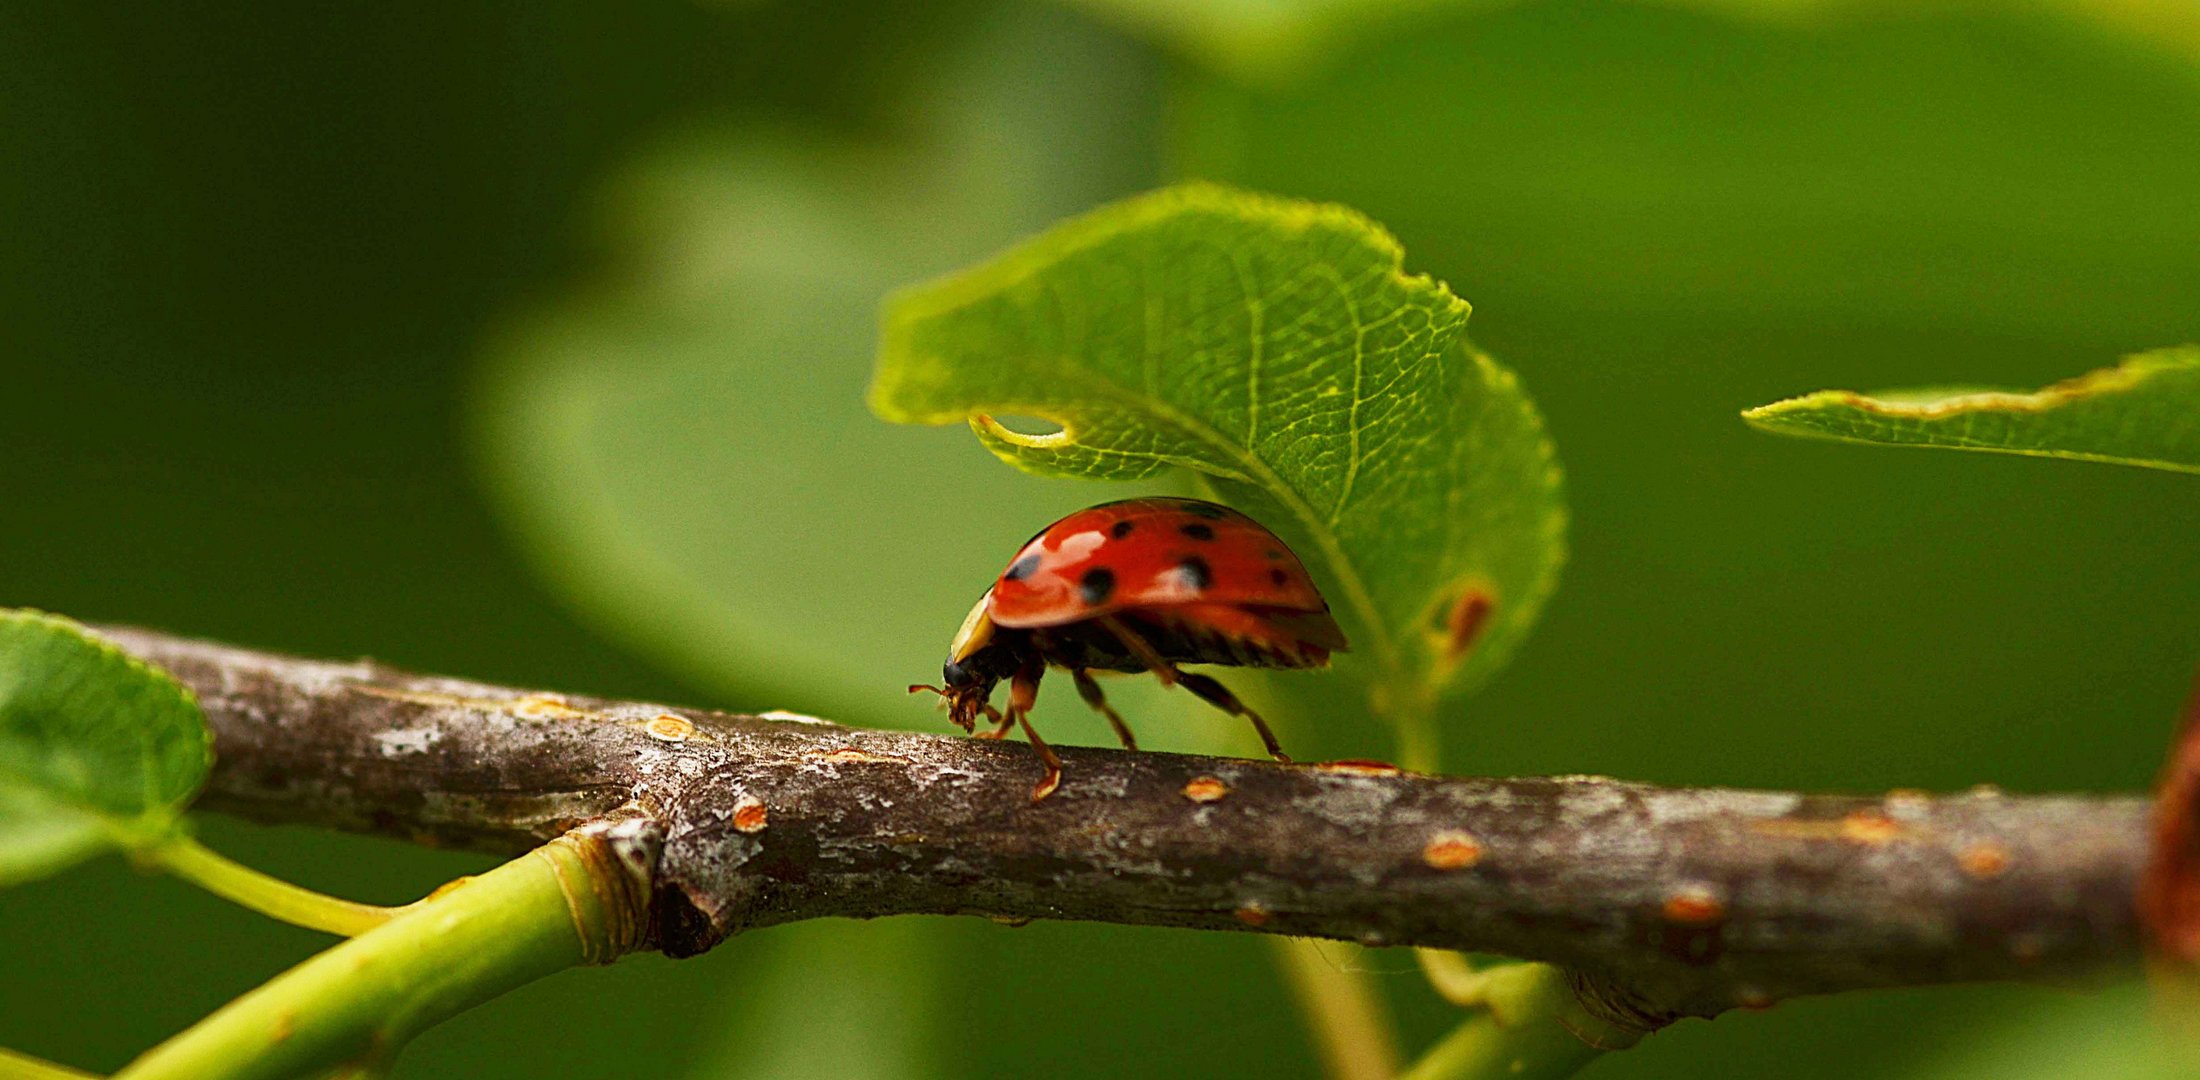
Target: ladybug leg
(1088,689)
(1221,697)
(1001,724)
(1023,693)
(1142,649)
(1206,687)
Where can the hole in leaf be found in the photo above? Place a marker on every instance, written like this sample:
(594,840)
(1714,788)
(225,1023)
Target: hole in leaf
(1029,426)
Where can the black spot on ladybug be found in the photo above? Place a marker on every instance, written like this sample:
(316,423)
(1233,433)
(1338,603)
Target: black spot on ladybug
(1206,510)
(1022,568)
(1278,577)
(1195,572)
(1121,529)
(1197,530)
(1274,554)
(1096,586)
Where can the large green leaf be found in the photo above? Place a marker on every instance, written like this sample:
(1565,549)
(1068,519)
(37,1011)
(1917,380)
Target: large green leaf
(96,747)
(1278,350)
(683,449)
(2144,411)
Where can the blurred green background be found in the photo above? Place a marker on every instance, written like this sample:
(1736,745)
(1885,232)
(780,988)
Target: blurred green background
(526,341)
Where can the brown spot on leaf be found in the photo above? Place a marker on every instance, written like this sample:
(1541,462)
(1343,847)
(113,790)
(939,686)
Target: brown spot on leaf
(1452,850)
(1206,789)
(1464,622)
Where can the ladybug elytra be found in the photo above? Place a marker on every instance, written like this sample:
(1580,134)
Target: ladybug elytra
(1137,585)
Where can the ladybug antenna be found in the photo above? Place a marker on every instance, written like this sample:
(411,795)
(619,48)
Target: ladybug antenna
(956,702)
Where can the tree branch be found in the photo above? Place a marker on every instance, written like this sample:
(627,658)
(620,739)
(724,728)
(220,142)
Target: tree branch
(1661,902)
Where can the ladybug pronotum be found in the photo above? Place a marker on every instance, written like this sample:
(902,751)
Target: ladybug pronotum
(1137,585)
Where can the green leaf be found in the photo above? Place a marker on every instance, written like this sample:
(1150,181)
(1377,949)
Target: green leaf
(2144,411)
(97,748)
(682,449)
(1278,350)
(1279,41)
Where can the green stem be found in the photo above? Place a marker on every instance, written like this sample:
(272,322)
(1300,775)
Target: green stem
(1533,1029)
(1455,978)
(271,896)
(1420,748)
(15,1066)
(569,902)
(1349,1021)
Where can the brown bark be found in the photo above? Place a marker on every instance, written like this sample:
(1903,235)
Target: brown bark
(1661,902)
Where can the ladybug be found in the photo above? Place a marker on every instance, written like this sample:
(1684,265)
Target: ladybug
(1136,585)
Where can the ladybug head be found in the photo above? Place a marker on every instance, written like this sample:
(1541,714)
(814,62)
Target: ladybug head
(977,661)
(968,684)
(961,677)
(970,677)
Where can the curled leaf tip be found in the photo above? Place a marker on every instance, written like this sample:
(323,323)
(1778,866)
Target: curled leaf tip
(2144,411)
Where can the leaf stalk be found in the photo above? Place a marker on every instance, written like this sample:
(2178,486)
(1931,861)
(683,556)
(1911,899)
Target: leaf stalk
(270,896)
(17,1066)
(1533,1028)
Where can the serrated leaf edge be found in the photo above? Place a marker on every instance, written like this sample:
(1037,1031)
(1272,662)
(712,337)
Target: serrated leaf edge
(136,666)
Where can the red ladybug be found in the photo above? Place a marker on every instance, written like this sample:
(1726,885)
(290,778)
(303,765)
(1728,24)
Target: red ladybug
(1136,585)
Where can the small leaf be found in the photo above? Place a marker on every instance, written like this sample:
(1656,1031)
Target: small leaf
(2144,411)
(1278,350)
(683,452)
(96,748)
